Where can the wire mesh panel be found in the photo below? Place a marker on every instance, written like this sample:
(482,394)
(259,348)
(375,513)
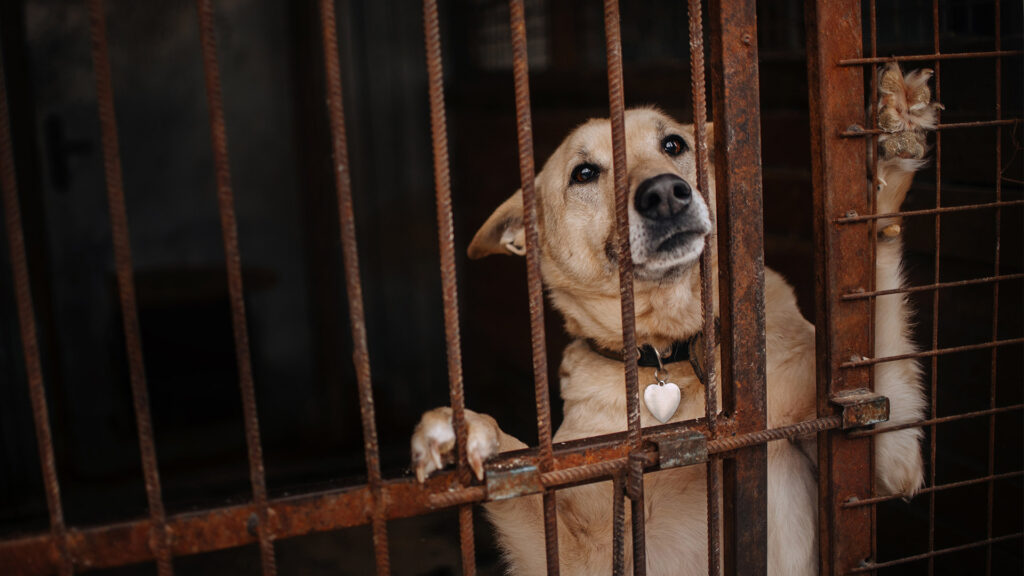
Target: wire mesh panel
(840,59)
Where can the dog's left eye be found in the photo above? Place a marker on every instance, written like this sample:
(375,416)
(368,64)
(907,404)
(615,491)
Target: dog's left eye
(674,145)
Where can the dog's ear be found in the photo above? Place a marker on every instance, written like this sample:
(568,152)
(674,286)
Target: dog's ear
(503,233)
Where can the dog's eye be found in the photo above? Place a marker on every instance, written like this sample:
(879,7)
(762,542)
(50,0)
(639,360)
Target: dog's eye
(674,145)
(583,173)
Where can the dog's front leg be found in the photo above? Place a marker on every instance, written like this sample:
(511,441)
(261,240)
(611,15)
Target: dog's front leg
(519,520)
(906,114)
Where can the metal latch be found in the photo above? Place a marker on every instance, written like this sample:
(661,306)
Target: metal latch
(861,408)
(687,448)
(511,479)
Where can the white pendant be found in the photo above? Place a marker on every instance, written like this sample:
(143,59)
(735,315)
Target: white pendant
(662,400)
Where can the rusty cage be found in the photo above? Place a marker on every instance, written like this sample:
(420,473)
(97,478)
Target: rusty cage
(842,65)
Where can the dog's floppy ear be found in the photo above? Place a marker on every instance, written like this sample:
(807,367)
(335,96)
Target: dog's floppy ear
(503,232)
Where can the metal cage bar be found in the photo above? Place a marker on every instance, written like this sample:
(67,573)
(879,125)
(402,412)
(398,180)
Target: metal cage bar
(57,550)
(535,289)
(620,176)
(376,501)
(700,111)
(126,285)
(446,241)
(232,258)
(734,71)
(843,328)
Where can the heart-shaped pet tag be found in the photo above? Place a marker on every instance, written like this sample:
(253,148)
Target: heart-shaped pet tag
(662,399)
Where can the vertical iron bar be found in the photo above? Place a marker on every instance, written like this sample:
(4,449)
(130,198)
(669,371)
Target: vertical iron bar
(126,285)
(699,93)
(995,299)
(616,98)
(60,554)
(872,122)
(446,241)
(618,525)
(229,230)
(524,132)
(843,329)
(353,285)
(933,392)
(741,269)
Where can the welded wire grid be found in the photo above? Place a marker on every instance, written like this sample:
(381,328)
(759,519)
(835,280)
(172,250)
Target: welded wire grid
(1010,344)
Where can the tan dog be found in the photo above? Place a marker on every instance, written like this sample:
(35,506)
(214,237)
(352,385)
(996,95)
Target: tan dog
(668,224)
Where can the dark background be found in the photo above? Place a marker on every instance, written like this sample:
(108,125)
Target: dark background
(271,62)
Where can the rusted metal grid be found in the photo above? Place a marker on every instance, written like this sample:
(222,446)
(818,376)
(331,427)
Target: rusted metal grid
(842,218)
(735,438)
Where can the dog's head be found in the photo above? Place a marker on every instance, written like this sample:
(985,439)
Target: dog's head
(668,224)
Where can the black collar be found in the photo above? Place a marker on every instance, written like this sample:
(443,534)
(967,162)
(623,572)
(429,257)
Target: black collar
(680,350)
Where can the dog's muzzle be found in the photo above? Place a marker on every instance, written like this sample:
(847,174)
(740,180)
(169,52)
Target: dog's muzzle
(671,218)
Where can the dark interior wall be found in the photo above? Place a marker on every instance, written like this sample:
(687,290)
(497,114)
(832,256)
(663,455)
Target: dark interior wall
(271,63)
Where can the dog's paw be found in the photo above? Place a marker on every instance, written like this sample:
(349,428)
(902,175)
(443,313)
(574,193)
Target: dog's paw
(433,442)
(899,467)
(906,113)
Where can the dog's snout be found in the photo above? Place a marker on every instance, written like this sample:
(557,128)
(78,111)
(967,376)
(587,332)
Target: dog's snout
(662,197)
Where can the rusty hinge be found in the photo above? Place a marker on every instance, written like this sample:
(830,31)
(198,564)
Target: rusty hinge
(861,408)
(687,448)
(511,479)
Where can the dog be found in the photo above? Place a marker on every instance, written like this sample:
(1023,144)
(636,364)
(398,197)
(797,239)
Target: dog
(668,223)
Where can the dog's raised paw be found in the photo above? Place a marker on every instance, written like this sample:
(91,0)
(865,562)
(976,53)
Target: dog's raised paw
(433,442)
(906,112)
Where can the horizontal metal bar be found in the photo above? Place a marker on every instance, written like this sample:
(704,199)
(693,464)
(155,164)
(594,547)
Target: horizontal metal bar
(872,566)
(930,57)
(855,218)
(856,131)
(939,488)
(575,463)
(930,353)
(932,287)
(931,421)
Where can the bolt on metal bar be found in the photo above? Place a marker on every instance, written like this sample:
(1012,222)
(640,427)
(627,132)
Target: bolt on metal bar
(931,353)
(126,284)
(229,230)
(377,500)
(699,100)
(853,217)
(990,480)
(734,71)
(29,340)
(937,56)
(939,420)
(931,287)
(524,133)
(446,241)
(620,173)
(856,131)
(873,566)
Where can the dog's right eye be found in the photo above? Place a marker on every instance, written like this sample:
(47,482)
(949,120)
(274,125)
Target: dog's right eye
(583,173)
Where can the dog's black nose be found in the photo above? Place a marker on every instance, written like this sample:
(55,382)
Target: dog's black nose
(662,197)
